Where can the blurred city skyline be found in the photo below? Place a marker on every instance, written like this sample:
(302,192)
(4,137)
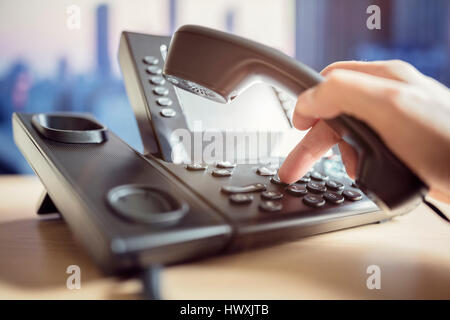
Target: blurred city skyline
(26,24)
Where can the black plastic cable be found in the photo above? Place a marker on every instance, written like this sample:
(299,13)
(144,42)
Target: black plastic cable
(436,210)
(151,283)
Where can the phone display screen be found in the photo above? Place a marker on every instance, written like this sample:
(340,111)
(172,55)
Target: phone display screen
(254,117)
(256,109)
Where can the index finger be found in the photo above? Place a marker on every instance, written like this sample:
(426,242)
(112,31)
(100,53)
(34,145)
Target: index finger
(311,148)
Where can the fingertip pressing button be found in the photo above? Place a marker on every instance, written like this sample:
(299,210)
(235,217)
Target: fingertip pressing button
(276,180)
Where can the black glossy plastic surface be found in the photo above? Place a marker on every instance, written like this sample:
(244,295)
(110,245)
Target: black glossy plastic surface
(69,128)
(144,203)
(78,178)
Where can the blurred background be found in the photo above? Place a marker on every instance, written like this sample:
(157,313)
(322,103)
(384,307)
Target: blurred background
(48,62)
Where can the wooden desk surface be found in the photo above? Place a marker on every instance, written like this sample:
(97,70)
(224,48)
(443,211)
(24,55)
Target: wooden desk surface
(413,253)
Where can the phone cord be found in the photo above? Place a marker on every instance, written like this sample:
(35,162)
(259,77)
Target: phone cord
(151,283)
(436,210)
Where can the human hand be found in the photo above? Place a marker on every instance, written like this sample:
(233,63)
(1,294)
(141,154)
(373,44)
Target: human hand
(409,111)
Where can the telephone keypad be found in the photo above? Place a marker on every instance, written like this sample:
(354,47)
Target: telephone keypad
(276,180)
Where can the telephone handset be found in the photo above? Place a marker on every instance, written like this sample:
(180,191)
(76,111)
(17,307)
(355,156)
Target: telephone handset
(219,66)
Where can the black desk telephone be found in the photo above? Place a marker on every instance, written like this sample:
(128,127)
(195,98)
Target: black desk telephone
(134,210)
